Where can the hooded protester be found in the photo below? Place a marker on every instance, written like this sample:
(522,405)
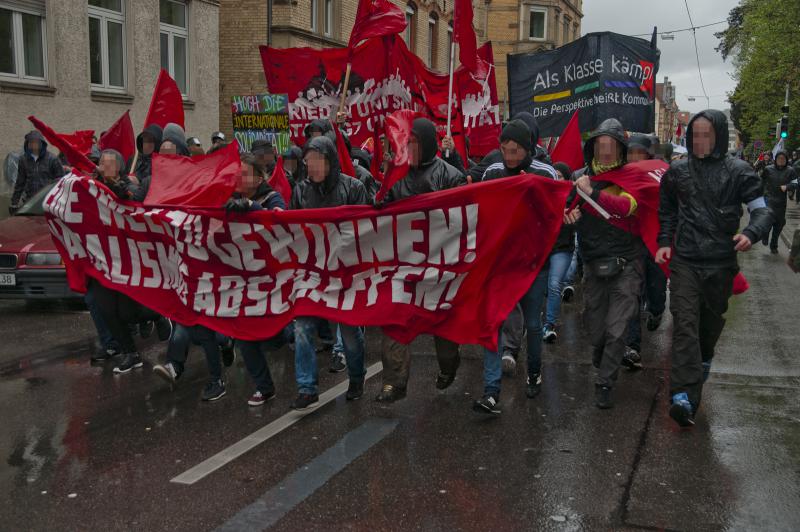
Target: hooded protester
(426,173)
(640,148)
(777,178)
(362,171)
(539,154)
(37,169)
(147,143)
(325,186)
(173,141)
(264,152)
(293,165)
(700,211)
(320,128)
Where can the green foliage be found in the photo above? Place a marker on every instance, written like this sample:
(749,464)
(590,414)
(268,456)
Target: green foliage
(762,42)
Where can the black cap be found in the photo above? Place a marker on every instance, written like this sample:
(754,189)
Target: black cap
(519,132)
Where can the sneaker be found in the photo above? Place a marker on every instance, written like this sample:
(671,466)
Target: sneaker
(305,401)
(103,354)
(228,353)
(444,380)
(567,293)
(146,329)
(534,385)
(129,362)
(338,363)
(163,328)
(632,359)
(602,397)
(549,334)
(488,404)
(706,371)
(509,365)
(653,321)
(774,251)
(214,390)
(167,371)
(355,390)
(390,394)
(259,398)
(681,410)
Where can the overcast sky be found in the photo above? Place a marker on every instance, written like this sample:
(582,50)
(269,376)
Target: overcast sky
(678,60)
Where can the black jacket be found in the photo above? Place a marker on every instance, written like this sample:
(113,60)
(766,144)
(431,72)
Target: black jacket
(144,163)
(701,203)
(33,175)
(337,189)
(774,178)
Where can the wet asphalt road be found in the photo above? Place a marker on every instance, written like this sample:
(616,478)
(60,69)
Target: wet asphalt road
(83,449)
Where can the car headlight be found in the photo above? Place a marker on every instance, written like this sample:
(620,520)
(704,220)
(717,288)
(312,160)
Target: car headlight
(43,259)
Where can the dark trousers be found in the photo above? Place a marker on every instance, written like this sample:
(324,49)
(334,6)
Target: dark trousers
(118,311)
(698,300)
(207,339)
(256,361)
(396,360)
(609,305)
(653,296)
(777,226)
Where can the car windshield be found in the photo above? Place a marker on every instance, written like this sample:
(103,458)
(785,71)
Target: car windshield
(35,205)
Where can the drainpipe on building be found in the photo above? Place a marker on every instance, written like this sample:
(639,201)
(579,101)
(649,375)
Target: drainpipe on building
(269,22)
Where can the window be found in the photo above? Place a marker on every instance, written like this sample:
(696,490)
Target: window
(537,22)
(107,44)
(322,17)
(314,19)
(328,18)
(565,35)
(411,11)
(174,38)
(22,42)
(575,33)
(433,45)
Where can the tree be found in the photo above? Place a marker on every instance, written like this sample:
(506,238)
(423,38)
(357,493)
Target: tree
(761,41)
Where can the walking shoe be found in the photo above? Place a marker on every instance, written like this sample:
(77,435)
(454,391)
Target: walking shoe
(567,293)
(534,385)
(488,404)
(654,321)
(632,359)
(706,371)
(259,398)
(129,362)
(765,241)
(597,358)
(338,363)
(549,334)
(146,329)
(167,371)
(228,353)
(444,380)
(390,394)
(355,390)
(774,251)
(305,401)
(602,397)
(681,410)
(163,328)
(213,390)
(509,365)
(103,354)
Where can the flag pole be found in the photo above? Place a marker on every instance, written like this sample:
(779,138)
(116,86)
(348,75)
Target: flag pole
(344,87)
(450,92)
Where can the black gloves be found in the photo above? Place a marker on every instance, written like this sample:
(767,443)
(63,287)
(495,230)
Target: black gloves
(238,205)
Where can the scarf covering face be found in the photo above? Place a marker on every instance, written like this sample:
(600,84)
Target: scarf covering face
(598,168)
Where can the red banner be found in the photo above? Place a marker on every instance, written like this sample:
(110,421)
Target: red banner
(450,263)
(385,77)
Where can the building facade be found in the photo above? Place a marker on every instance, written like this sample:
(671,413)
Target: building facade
(80,64)
(666,111)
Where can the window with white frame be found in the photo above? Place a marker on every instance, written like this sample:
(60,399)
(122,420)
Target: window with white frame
(314,13)
(537,23)
(107,61)
(433,44)
(327,18)
(174,36)
(410,36)
(23,47)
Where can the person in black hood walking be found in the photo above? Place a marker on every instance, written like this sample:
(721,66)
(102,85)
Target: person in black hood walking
(495,156)
(700,211)
(37,168)
(776,178)
(147,143)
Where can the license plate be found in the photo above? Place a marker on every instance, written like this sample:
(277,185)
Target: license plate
(8,279)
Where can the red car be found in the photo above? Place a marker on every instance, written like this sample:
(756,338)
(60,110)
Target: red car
(30,266)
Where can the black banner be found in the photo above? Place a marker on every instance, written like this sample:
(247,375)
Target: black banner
(604,75)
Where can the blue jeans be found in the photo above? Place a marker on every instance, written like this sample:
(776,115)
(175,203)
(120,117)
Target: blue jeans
(182,337)
(338,347)
(305,355)
(572,271)
(103,332)
(531,304)
(559,264)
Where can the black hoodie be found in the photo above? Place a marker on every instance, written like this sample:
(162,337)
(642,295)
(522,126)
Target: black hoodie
(495,156)
(701,202)
(35,171)
(337,189)
(144,163)
(775,177)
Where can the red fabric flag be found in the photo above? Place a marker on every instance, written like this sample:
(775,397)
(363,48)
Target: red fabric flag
(279,182)
(120,137)
(568,149)
(679,131)
(201,181)
(376,18)
(376,166)
(345,159)
(82,140)
(398,131)
(464,34)
(166,106)
(78,160)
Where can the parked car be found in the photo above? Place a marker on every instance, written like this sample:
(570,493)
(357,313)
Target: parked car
(30,266)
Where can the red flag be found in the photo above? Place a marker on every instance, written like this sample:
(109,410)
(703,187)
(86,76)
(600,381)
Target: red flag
(78,160)
(398,131)
(201,181)
(279,182)
(464,34)
(376,166)
(568,149)
(82,140)
(345,159)
(167,103)
(679,131)
(120,137)
(376,18)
